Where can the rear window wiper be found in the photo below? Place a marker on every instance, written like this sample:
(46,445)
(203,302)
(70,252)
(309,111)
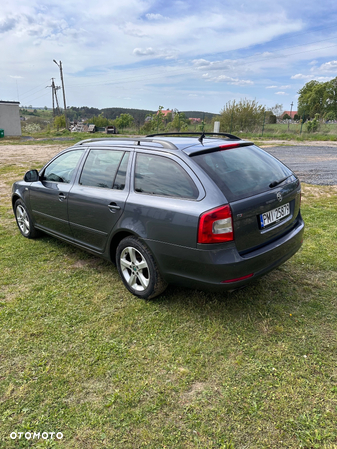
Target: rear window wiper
(276,183)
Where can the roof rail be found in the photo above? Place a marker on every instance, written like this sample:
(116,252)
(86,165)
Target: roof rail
(134,141)
(202,133)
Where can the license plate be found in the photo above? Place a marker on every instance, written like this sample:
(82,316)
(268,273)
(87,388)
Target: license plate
(275,215)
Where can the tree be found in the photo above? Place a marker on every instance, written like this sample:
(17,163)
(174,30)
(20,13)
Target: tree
(100,121)
(156,122)
(179,123)
(330,116)
(59,122)
(245,115)
(331,96)
(286,117)
(272,119)
(124,121)
(277,109)
(312,98)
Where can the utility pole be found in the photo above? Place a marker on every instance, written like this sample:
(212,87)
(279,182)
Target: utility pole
(52,91)
(54,97)
(64,94)
(58,111)
(291,110)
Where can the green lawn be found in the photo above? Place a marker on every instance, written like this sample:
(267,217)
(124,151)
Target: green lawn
(251,369)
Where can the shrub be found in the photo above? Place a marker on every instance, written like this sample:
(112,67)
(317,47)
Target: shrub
(245,115)
(330,116)
(59,122)
(32,128)
(272,119)
(313,125)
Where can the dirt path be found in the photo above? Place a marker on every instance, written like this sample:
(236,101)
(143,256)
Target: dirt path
(28,156)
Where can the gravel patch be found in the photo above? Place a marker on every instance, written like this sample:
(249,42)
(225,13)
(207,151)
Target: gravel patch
(312,164)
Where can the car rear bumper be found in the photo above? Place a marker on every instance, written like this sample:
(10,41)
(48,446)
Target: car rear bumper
(221,267)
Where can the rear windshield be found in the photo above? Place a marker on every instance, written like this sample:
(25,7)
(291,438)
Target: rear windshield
(243,171)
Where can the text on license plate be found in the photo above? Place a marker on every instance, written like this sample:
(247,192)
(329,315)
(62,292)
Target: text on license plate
(274,215)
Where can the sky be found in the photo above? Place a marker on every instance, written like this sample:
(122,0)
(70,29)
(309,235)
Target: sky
(185,55)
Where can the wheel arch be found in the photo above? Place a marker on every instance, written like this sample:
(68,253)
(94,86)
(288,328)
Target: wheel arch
(15,197)
(116,239)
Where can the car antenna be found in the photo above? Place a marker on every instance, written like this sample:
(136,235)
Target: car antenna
(201,138)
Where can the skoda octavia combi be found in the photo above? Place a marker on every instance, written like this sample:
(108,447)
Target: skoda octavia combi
(208,212)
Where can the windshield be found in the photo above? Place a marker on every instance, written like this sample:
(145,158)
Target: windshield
(243,171)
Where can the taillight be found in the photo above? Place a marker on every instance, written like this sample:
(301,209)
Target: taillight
(216,226)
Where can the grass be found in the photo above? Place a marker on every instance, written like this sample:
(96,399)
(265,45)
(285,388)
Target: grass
(252,369)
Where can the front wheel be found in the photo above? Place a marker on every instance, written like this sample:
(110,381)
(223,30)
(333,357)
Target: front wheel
(138,269)
(24,221)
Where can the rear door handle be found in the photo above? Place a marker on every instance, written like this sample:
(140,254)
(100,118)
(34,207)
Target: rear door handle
(62,196)
(113,207)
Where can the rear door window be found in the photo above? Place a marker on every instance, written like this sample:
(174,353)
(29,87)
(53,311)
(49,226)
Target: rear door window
(101,167)
(243,171)
(159,175)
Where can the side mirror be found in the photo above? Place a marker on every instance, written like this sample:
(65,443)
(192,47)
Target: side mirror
(31,176)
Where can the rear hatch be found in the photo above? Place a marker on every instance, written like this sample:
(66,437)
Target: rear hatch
(264,194)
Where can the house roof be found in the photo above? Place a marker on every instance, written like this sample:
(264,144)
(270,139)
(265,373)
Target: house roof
(290,113)
(9,102)
(165,112)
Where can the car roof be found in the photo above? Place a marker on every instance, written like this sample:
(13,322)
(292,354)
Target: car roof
(186,142)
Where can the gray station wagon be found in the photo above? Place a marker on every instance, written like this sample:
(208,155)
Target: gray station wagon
(208,212)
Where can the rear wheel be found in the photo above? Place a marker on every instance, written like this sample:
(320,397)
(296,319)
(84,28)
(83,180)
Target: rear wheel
(138,269)
(24,221)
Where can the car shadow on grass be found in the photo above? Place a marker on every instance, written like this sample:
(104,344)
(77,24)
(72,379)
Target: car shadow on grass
(280,291)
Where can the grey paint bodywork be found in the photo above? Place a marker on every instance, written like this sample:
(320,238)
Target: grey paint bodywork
(168,226)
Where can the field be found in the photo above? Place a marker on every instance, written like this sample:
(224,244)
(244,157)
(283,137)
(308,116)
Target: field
(40,124)
(81,356)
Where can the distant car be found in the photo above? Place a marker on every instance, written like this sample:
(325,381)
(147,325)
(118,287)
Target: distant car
(208,212)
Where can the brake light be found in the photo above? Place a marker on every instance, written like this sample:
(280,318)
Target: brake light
(216,226)
(230,145)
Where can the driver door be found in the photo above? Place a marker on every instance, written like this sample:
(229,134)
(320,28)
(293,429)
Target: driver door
(49,195)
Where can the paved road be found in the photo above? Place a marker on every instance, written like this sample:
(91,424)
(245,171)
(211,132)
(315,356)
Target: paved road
(312,164)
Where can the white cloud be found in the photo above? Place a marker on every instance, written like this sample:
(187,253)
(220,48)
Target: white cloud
(228,80)
(154,16)
(147,52)
(281,93)
(163,53)
(203,64)
(329,67)
(299,76)
(110,45)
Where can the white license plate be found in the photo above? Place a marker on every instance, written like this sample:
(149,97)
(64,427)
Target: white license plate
(274,215)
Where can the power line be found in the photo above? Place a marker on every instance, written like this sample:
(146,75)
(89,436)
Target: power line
(25,93)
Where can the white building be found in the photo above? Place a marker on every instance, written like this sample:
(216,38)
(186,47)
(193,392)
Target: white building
(10,118)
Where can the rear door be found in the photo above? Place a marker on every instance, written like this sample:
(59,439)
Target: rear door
(97,199)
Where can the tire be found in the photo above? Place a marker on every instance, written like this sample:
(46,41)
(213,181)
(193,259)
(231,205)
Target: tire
(138,269)
(24,221)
